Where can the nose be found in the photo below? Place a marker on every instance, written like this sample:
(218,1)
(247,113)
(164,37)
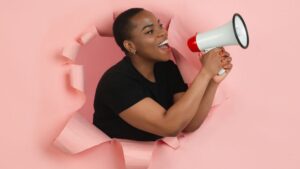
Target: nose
(163,33)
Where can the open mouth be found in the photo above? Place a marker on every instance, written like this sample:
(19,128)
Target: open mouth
(164,44)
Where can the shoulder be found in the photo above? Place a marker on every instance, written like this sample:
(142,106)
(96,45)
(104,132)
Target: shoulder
(168,67)
(117,71)
(119,75)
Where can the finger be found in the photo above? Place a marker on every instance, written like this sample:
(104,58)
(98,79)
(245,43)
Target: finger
(228,59)
(224,54)
(200,58)
(227,70)
(228,66)
(221,52)
(222,48)
(217,50)
(200,53)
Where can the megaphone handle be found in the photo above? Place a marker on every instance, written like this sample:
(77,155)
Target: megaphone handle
(222,71)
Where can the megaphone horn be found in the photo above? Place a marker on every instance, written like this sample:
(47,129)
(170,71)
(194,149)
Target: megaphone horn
(233,33)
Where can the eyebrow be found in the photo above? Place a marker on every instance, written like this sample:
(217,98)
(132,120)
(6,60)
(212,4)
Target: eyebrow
(150,25)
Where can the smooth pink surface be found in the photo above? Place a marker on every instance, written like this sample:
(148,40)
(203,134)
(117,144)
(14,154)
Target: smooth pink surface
(257,127)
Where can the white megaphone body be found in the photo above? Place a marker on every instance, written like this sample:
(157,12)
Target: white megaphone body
(233,33)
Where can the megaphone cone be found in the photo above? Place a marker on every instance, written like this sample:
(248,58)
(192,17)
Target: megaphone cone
(233,33)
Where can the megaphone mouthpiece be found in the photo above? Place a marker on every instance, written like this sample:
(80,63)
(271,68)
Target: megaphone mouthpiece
(192,44)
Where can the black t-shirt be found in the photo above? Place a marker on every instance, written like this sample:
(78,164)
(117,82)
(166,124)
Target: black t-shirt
(122,86)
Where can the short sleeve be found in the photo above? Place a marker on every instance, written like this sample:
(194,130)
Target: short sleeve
(119,92)
(176,80)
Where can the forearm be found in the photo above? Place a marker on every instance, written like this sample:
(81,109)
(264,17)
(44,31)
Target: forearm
(182,112)
(203,108)
(206,102)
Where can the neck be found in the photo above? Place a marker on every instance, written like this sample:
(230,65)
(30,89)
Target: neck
(144,66)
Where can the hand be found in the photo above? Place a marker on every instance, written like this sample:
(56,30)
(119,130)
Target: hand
(226,64)
(211,61)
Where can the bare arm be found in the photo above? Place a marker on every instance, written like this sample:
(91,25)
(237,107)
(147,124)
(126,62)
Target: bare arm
(206,102)
(149,116)
(204,107)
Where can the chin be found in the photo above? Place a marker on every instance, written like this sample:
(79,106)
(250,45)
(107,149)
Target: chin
(166,56)
(160,56)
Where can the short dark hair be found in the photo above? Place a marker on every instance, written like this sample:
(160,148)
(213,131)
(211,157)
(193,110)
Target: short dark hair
(122,26)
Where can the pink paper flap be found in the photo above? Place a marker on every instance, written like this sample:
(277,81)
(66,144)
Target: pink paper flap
(71,50)
(88,35)
(77,77)
(79,135)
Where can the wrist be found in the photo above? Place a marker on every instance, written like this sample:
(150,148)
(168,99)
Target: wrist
(206,73)
(214,83)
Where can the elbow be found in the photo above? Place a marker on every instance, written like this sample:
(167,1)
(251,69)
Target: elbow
(190,129)
(193,126)
(173,130)
(173,133)
(175,127)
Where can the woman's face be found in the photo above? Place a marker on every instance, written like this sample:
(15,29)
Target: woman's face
(147,36)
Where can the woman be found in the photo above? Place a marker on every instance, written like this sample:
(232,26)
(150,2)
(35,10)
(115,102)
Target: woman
(143,97)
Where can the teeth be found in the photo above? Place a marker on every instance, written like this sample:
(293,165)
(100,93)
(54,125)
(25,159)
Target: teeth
(163,43)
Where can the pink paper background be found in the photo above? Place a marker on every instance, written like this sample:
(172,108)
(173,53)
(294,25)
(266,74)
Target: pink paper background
(257,127)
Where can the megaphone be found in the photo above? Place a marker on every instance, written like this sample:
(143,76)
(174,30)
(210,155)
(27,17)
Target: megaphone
(232,33)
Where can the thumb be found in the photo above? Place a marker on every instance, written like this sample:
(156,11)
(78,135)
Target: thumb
(200,56)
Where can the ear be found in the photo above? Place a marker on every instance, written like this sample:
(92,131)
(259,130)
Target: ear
(129,45)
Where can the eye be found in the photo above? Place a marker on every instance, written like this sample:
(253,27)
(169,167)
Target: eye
(149,32)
